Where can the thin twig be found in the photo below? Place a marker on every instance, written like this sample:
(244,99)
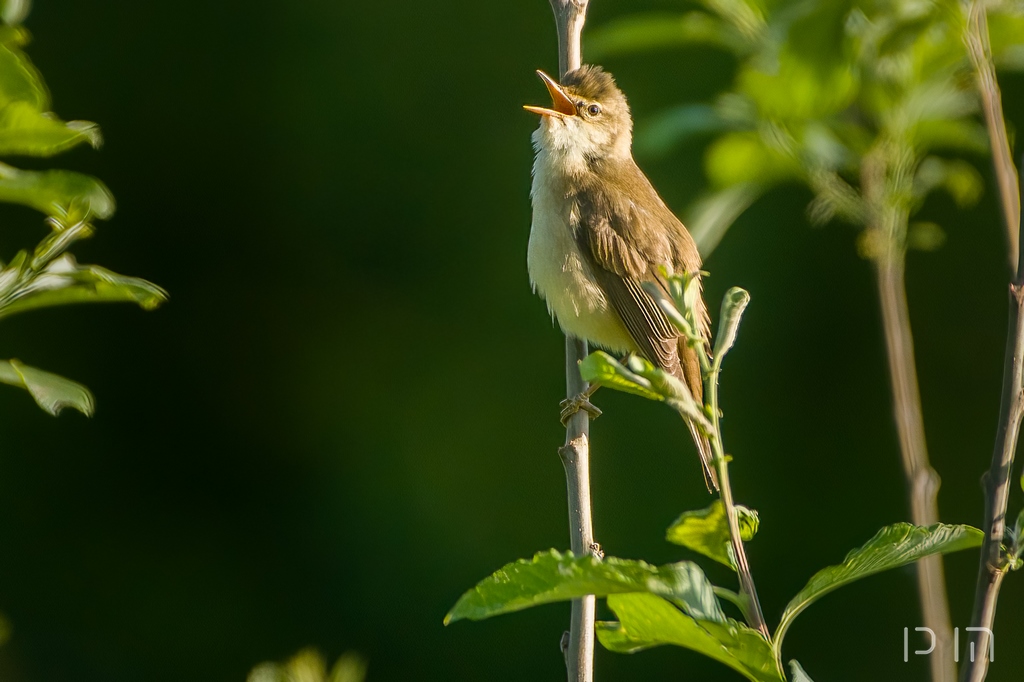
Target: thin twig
(747,588)
(889,222)
(575,454)
(993,564)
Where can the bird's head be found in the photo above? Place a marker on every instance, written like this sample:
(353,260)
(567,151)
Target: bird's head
(588,115)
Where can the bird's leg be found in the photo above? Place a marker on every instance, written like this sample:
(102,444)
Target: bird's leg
(581,401)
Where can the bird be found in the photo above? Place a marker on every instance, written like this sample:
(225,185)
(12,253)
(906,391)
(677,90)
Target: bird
(600,232)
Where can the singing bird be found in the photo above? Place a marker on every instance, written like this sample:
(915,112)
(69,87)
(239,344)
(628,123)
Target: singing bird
(600,232)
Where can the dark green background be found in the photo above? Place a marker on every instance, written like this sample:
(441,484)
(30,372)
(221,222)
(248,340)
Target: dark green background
(347,412)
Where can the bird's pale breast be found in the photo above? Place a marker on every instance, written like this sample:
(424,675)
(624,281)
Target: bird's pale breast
(560,274)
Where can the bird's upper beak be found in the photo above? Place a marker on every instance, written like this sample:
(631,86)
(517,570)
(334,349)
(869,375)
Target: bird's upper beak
(562,105)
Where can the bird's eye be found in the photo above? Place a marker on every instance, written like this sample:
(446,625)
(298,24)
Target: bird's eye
(594,109)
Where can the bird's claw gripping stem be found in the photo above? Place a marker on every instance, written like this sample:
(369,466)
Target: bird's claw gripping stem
(571,406)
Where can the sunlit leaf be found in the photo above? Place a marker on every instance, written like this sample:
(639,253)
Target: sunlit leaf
(748,16)
(744,158)
(707,531)
(893,546)
(646,621)
(51,392)
(52,191)
(925,236)
(19,79)
(643,32)
(552,576)
(733,304)
(309,666)
(797,674)
(26,130)
(960,179)
(601,368)
(64,281)
(13,12)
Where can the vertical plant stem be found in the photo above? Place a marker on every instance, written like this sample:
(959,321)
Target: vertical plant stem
(575,454)
(993,564)
(747,588)
(980,51)
(922,480)
(883,168)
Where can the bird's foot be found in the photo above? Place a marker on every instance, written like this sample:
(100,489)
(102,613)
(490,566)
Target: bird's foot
(571,406)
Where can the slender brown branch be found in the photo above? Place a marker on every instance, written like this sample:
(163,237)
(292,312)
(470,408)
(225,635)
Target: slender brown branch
(993,564)
(889,222)
(980,51)
(575,454)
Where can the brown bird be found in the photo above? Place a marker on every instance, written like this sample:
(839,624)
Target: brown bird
(600,232)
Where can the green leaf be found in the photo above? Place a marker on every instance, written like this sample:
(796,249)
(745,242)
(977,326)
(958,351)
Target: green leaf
(51,392)
(797,674)
(604,370)
(744,158)
(733,304)
(960,179)
(19,79)
(552,576)
(657,135)
(713,214)
(64,281)
(925,236)
(13,12)
(53,191)
(646,621)
(707,531)
(893,546)
(26,130)
(655,31)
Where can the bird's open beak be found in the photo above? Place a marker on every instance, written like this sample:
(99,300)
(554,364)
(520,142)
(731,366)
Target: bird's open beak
(561,104)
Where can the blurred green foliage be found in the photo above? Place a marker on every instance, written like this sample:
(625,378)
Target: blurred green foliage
(309,666)
(857,99)
(71,201)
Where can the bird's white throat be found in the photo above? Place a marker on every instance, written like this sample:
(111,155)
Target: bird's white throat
(558,271)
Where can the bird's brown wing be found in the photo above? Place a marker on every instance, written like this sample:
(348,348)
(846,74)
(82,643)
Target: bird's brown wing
(627,234)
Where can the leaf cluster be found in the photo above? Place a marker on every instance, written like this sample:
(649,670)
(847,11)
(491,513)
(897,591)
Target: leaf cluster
(869,103)
(71,203)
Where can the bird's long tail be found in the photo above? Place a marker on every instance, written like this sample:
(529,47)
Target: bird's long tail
(690,368)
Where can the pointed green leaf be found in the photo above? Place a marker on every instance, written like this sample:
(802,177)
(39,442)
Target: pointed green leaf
(797,674)
(53,191)
(707,531)
(893,546)
(552,576)
(13,12)
(644,32)
(19,79)
(646,621)
(51,392)
(733,305)
(604,370)
(64,281)
(26,130)
(657,135)
(713,214)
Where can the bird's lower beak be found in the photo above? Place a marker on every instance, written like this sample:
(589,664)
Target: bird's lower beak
(562,105)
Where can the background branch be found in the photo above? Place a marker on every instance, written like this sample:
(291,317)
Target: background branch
(575,454)
(980,51)
(882,169)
